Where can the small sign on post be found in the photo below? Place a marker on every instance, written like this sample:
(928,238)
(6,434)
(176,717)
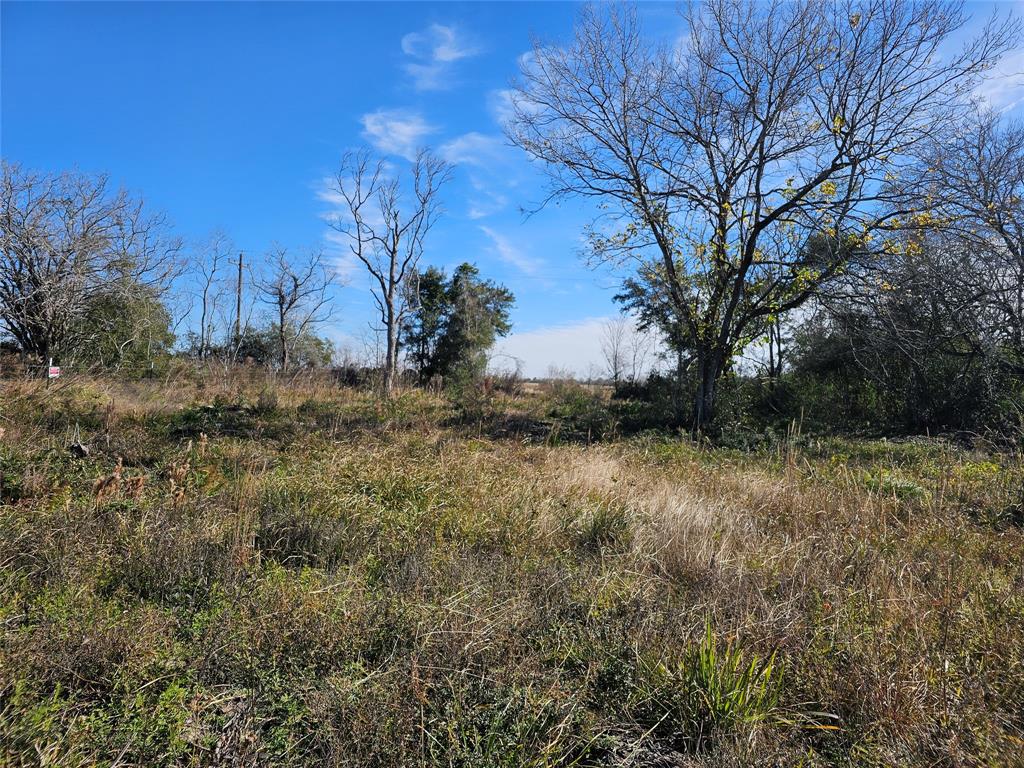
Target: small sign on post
(53,372)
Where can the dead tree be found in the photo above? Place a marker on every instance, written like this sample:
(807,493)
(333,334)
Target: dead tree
(386,227)
(210,263)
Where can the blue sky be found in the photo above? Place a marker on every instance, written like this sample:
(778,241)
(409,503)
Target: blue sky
(230,115)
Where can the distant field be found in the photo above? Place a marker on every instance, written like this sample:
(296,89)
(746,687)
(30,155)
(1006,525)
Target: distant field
(261,574)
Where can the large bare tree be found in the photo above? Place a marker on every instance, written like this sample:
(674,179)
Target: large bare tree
(387,226)
(67,242)
(716,162)
(297,291)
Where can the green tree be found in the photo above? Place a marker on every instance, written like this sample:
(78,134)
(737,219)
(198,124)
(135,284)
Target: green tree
(455,322)
(422,329)
(126,330)
(305,348)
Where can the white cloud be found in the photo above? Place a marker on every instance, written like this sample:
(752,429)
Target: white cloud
(487,199)
(437,42)
(337,244)
(501,105)
(494,169)
(338,213)
(340,255)
(489,202)
(1003,88)
(503,248)
(433,52)
(396,131)
(527,60)
(475,149)
(327,192)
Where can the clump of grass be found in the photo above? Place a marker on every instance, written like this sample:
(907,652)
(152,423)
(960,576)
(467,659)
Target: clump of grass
(732,687)
(892,484)
(477,725)
(711,692)
(604,526)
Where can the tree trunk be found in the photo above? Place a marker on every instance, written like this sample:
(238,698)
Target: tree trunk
(202,329)
(282,337)
(391,354)
(709,370)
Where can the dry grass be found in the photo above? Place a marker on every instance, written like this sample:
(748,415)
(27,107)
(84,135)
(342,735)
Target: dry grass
(297,574)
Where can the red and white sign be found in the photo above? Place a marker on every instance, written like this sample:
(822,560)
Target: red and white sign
(53,372)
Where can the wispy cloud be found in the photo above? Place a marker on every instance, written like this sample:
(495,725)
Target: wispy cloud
(327,192)
(340,256)
(475,149)
(338,216)
(1003,88)
(494,169)
(504,249)
(338,212)
(501,105)
(434,52)
(487,202)
(396,131)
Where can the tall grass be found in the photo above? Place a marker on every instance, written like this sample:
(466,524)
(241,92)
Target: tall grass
(295,574)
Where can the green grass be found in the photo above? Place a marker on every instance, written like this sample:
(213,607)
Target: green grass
(309,576)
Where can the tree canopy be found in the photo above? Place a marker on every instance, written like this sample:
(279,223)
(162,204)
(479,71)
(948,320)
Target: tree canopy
(454,322)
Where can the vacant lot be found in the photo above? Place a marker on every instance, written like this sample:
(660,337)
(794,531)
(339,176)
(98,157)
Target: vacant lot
(304,575)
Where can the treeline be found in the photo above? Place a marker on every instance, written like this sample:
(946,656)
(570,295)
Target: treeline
(91,280)
(814,212)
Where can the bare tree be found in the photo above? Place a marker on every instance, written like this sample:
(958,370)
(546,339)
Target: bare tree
(718,162)
(210,264)
(387,229)
(625,349)
(638,350)
(976,183)
(297,291)
(614,337)
(67,242)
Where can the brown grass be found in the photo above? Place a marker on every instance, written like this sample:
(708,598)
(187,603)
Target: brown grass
(264,574)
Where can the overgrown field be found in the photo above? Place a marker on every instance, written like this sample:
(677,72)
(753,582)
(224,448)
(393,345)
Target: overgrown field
(303,575)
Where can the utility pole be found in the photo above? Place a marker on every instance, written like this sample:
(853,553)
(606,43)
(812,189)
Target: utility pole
(238,303)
